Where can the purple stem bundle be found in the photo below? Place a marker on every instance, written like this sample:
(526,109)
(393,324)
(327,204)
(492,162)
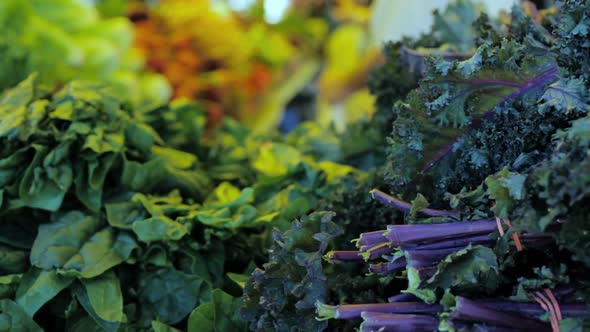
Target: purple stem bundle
(388,267)
(405,234)
(371,238)
(469,310)
(375,321)
(534,309)
(350,311)
(343,255)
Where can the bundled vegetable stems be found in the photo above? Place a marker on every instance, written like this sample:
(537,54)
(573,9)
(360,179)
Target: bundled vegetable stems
(487,163)
(420,249)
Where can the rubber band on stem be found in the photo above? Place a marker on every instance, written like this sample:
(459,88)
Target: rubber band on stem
(515,236)
(499,224)
(546,305)
(554,302)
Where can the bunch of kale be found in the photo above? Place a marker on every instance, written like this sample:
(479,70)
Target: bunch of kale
(487,162)
(364,145)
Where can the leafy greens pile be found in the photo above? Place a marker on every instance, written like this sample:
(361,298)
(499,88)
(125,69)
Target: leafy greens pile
(119,219)
(487,163)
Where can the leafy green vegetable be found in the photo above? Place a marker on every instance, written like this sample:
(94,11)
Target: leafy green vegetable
(171,295)
(502,138)
(104,295)
(110,227)
(281,294)
(221,314)
(14,318)
(473,268)
(37,287)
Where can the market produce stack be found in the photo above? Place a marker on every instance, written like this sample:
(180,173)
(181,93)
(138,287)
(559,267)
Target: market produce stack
(117,218)
(460,205)
(488,163)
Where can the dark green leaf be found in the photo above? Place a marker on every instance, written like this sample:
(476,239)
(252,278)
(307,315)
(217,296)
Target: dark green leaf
(37,190)
(79,245)
(83,298)
(161,327)
(170,295)
(13,260)
(124,214)
(39,287)
(14,318)
(90,177)
(104,295)
(219,315)
(159,228)
(473,268)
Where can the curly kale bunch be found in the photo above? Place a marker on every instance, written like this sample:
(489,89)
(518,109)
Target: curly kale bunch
(498,132)
(502,139)
(356,212)
(571,32)
(281,295)
(471,118)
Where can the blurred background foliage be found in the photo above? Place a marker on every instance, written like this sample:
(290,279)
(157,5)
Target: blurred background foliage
(267,63)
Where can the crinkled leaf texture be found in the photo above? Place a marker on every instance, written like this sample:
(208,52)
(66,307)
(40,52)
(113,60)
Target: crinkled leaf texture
(281,295)
(463,93)
(473,269)
(560,187)
(504,188)
(453,24)
(469,119)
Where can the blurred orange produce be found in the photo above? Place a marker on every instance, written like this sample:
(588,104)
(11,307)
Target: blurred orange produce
(205,55)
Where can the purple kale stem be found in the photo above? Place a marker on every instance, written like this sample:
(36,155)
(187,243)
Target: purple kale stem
(426,273)
(403,297)
(372,238)
(376,321)
(529,239)
(534,309)
(349,311)
(462,326)
(388,267)
(404,234)
(469,310)
(537,239)
(440,156)
(547,77)
(377,251)
(426,258)
(445,55)
(406,207)
(343,255)
(486,81)
(464,241)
